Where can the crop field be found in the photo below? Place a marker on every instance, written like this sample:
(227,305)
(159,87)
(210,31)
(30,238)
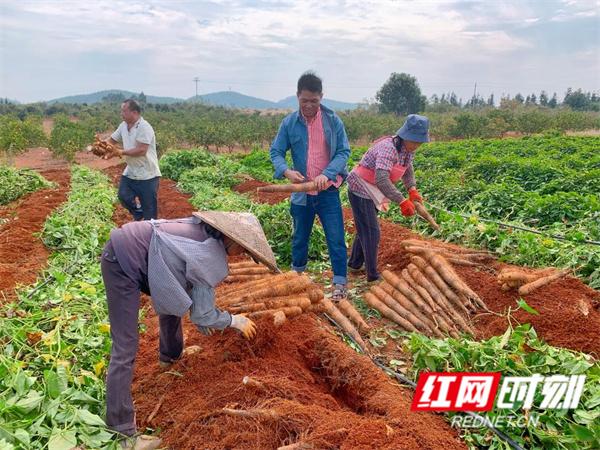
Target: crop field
(510,211)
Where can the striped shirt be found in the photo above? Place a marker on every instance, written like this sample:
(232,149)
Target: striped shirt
(318,153)
(383,155)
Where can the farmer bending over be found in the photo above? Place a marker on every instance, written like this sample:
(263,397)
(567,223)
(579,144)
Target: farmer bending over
(178,262)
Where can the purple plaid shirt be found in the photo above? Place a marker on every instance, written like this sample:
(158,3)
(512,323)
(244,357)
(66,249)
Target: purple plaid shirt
(381,155)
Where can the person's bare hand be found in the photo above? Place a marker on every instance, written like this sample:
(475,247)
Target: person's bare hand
(294,176)
(322,182)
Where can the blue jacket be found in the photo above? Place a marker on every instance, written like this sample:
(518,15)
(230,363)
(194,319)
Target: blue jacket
(293,135)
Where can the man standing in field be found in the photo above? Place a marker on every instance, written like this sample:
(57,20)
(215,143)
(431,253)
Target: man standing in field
(142,174)
(320,150)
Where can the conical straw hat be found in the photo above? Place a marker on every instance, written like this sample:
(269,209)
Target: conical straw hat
(243,228)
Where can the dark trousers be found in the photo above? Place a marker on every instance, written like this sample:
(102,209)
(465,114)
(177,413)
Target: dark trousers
(123,298)
(328,207)
(146,191)
(366,240)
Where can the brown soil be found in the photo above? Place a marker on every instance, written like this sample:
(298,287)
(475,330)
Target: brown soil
(22,253)
(250,186)
(320,391)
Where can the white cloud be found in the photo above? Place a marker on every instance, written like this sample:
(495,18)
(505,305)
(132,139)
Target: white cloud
(261,47)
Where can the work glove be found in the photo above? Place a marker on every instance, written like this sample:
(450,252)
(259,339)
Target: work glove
(414,195)
(407,207)
(243,325)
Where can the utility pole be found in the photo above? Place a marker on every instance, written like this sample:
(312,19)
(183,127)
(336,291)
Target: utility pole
(196,79)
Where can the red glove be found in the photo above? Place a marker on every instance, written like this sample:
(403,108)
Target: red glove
(414,195)
(407,207)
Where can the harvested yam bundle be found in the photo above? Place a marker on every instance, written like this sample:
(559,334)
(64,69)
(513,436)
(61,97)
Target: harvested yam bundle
(446,271)
(281,288)
(418,321)
(403,287)
(343,322)
(530,287)
(104,149)
(249,270)
(433,276)
(237,278)
(392,315)
(228,296)
(440,299)
(422,312)
(421,292)
(351,313)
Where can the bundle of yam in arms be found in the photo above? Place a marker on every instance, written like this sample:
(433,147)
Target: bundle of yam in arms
(312,186)
(526,283)
(104,149)
(454,255)
(427,297)
(260,293)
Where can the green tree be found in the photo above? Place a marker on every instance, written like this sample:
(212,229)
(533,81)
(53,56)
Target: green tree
(401,95)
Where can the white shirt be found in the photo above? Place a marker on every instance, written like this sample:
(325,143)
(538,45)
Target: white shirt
(139,167)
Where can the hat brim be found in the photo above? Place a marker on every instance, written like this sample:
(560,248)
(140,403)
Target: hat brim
(260,251)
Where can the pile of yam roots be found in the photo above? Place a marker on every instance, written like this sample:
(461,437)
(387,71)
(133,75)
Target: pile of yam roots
(258,292)
(427,296)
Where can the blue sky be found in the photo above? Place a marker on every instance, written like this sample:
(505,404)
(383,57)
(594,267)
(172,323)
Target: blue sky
(50,49)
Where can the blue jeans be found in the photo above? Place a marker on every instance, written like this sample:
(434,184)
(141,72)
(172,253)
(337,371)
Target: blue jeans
(327,206)
(146,191)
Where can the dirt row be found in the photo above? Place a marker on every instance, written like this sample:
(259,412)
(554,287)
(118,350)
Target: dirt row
(22,253)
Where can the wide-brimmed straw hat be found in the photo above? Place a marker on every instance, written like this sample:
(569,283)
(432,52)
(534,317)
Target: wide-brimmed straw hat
(244,229)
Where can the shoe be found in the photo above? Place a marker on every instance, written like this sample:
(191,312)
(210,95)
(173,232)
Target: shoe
(355,270)
(141,442)
(186,351)
(340,292)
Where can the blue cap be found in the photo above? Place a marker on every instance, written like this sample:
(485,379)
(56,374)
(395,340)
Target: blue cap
(415,128)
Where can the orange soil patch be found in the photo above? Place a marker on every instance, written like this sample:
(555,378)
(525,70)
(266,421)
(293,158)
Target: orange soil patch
(22,253)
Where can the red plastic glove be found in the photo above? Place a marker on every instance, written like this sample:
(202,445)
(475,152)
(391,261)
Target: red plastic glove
(407,207)
(414,195)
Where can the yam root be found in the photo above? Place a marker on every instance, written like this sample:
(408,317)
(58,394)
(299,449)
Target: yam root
(289,311)
(439,319)
(350,311)
(343,322)
(403,287)
(419,321)
(279,318)
(433,276)
(422,211)
(418,289)
(249,270)
(315,295)
(270,288)
(295,187)
(530,287)
(234,291)
(241,278)
(243,264)
(392,315)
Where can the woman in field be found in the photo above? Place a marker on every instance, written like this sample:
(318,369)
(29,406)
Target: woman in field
(371,186)
(178,262)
